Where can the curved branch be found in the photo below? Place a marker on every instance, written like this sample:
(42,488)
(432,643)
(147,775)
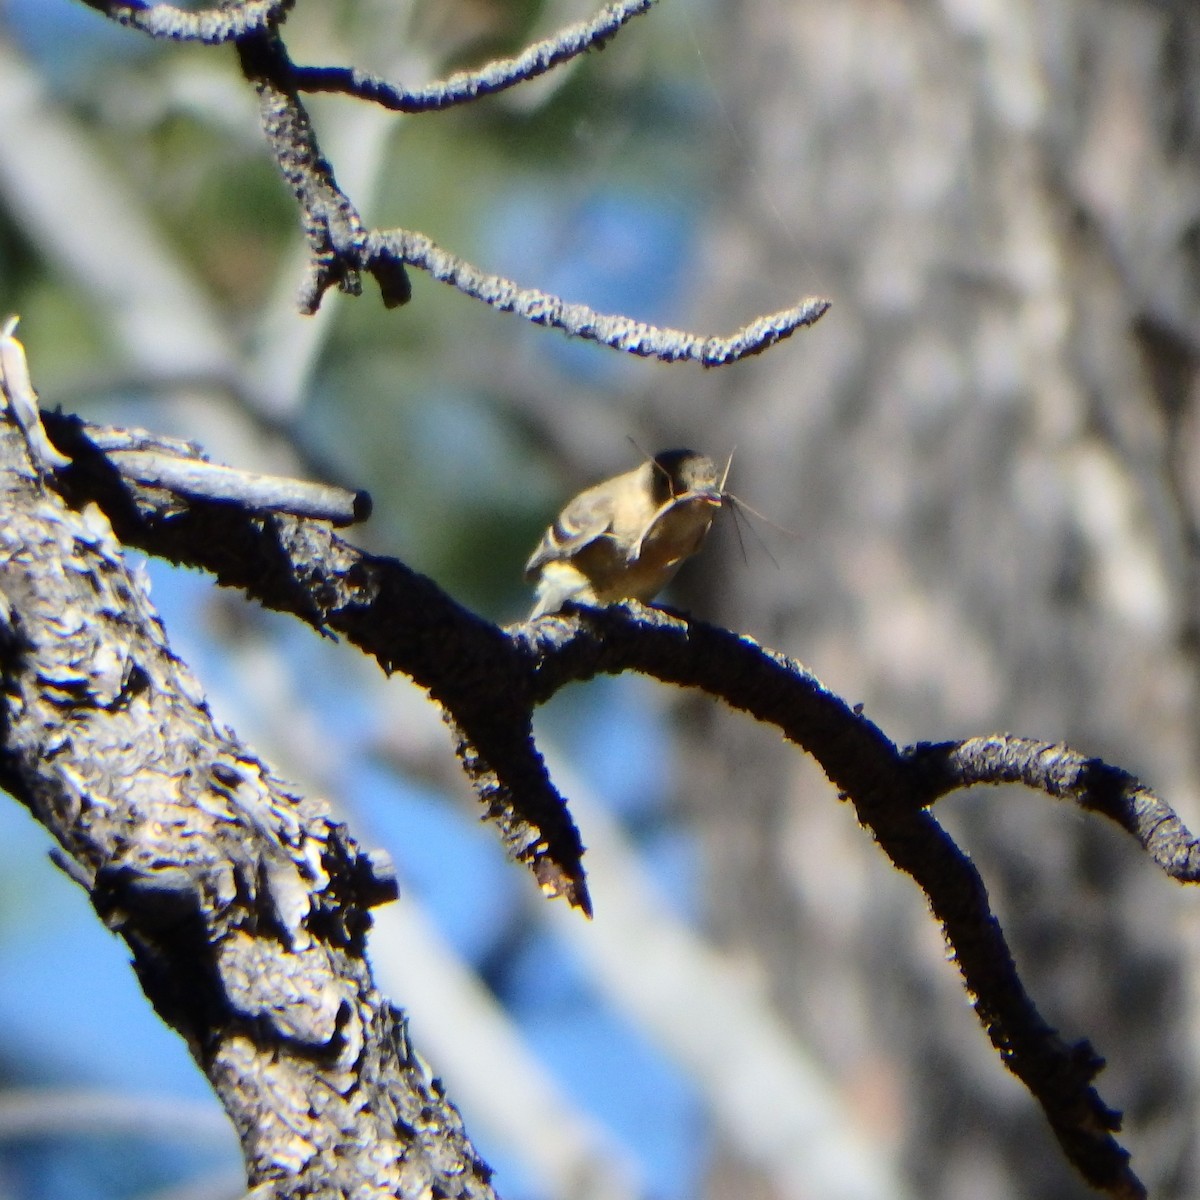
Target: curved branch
(618,332)
(465,86)
(1063,773)
(877,779)
(395,615)
(341,249)
(489,680)
(211,25)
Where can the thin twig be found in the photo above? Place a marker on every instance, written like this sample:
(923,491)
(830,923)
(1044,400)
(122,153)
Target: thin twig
(211,25)
(341,248)
(619,332)
(465,86)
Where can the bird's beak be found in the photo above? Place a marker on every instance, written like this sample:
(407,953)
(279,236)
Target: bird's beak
(708,494)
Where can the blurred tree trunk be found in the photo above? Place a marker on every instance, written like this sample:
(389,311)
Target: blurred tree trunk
(991,452)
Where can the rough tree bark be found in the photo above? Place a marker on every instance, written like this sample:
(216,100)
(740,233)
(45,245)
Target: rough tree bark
(245,906)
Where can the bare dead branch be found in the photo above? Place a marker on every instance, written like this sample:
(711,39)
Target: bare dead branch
(248,490)
(621,333)
(403,620)
(875,777)
(465,86)
(334,230)
(341,249)
(212,25)
(244,904)
(340,246)
(167,473)
(479,672)
(1066,774)
(23,400)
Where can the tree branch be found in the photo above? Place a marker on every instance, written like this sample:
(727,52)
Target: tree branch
(340,246)
(618,332)
(336,237)
(478,671)
(341,249)
(465,86)
(245,905)
(397,616)
(876,778)
(1063,773)
(165,474)
(212,25)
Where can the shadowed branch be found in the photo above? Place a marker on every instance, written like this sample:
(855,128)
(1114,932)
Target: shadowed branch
(489,680)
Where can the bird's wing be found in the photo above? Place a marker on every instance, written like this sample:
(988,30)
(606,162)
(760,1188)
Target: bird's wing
(584,519)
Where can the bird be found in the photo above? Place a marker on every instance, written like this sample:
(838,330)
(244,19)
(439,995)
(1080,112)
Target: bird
(624,538)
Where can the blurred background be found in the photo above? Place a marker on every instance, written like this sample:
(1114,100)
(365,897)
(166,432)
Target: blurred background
(987,456)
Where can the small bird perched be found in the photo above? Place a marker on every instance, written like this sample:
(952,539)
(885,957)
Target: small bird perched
(625,538)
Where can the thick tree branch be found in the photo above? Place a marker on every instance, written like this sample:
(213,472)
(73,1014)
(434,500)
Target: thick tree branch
(400,618)
(465,86)
(245,906)
(875,777)
(489,680)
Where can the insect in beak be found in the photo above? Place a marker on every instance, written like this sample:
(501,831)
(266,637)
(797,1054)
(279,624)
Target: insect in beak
(725,473)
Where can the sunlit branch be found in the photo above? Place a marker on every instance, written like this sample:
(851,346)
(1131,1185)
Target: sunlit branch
(1066,774)
(465,86)
(334,230)
(341,249)
(618,332)
(489,681)
(212,25)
